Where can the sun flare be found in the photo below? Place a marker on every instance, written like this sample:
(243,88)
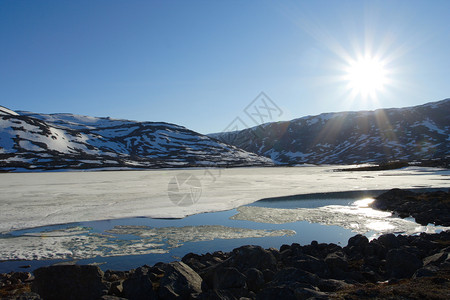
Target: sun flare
(366,76)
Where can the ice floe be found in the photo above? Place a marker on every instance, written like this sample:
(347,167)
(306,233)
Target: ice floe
(357,217)
(80,243)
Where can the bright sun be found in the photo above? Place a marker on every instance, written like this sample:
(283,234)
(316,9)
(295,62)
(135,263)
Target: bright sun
(366,77)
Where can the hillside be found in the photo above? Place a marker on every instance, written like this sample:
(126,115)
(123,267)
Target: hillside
(412,133)
(30,141)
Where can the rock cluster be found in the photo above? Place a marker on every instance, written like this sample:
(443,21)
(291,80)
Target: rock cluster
(315,271)
(426,208)
(16,283)
(15,278)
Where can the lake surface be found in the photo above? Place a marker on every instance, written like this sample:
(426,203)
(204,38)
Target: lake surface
(31,200)
(122,244)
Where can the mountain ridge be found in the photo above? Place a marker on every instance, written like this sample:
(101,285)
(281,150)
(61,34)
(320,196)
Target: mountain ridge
(34,141)
(340,137)
(31,141)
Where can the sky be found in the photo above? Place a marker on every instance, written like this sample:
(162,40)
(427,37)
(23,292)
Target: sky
(204,64)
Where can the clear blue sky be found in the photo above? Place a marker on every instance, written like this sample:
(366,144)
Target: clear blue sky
(200,63)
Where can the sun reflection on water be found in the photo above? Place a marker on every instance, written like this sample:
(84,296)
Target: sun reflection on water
(380,226)
(360,208)
(364,202)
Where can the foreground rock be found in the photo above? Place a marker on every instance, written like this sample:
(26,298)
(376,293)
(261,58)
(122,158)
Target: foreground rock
(179,281)
(426,208)
(70,282)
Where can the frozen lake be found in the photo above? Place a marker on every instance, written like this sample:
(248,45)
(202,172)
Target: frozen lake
(100,213)
(123,244)
(38,199)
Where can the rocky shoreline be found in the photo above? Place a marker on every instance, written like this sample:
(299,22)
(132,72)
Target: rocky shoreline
(425,208)
(393,267)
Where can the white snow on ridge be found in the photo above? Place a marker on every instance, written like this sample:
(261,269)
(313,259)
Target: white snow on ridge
(7,111)
(72,121)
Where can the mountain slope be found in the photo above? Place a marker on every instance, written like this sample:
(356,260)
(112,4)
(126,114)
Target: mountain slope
(60,141)
(413,133)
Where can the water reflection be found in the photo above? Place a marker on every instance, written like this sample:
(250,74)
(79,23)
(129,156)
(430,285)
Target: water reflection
(358,217)
(364,202)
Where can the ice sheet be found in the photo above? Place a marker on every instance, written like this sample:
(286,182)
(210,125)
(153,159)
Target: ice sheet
(37,199)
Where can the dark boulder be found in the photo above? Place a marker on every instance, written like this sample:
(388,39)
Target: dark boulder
(287,256)
(26,296)
(338,264)
(427,271)
(290,290)
(357,245)
(268,275)
(255,279)
(284,247)
(359,241)
(179,282)
(200,262)
(292,275)
(371,273)
(332,285)
(116,288)
(378,249)
(229,277)
(69,282)
(247,257)
(110,297)
(21,277)
(402,263)
(194,261)
(306,293)
(275,253)
(320,250)
(277,292)
(389,241)
(229,294)
(138,286)
(436,259)
(426,246)
(313,265)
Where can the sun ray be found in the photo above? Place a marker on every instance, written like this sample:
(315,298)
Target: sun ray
(386,131)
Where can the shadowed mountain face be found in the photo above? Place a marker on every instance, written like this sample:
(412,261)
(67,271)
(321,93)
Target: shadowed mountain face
(413,133)
(59,141)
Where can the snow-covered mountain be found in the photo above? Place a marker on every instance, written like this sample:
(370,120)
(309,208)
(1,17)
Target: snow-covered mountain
(412,133)
(30,141)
